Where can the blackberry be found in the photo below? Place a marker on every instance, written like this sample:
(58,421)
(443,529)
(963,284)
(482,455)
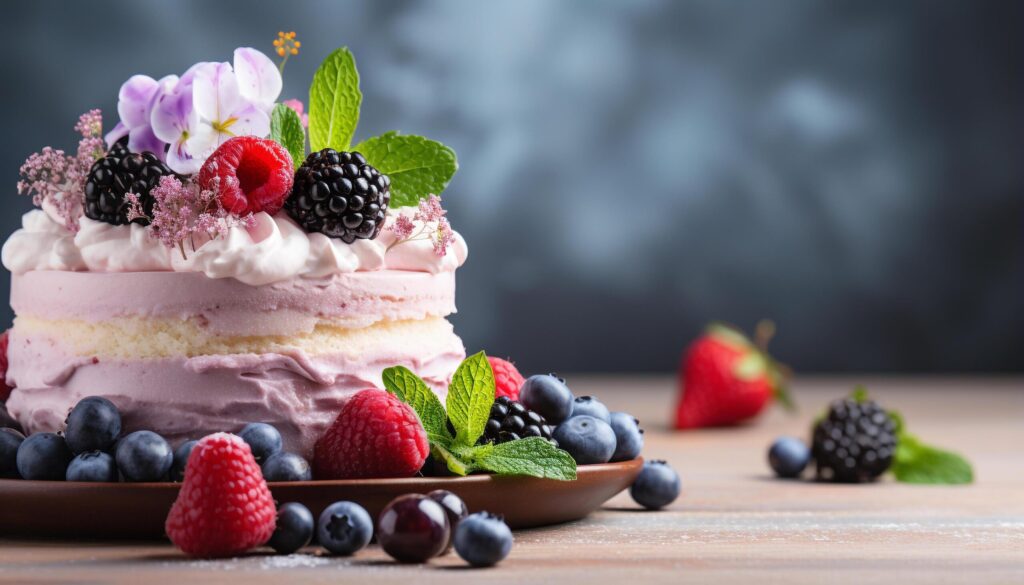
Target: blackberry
(510,420)
(339,195)
(117,173)
(855,442)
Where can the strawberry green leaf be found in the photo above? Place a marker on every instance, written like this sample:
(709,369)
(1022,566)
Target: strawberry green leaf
(286,128)
(416,165)
(334,102)
(470,397)
(412,390)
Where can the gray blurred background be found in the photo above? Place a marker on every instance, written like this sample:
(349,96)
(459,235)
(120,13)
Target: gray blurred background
(632,170)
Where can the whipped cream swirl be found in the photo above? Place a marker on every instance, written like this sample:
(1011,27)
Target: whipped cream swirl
(274,249)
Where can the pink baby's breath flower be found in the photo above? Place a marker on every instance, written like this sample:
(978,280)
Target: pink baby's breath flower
(430,210)
(442,237)
(402,227)
(90,124)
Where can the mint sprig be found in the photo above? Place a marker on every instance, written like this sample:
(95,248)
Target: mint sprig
(286,128)
(917,462)
(334,102)
(416,165)
(470,396)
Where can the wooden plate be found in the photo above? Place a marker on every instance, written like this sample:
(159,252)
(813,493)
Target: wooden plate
(137,510)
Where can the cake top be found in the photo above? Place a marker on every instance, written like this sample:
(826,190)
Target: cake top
(209,172)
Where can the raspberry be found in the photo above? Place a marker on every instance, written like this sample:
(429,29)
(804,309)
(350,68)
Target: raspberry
(5,390)
(375,435)
(224,507)
(507,379)
(255,174)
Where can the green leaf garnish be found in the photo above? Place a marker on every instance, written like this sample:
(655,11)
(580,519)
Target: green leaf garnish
(286,128)
(417,166)
(916,462)
(409,388)
(531,456)
(470,397)
(334,101)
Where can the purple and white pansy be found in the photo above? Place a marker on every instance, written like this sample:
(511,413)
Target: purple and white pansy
(191,116)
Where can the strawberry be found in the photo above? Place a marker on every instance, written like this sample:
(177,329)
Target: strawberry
(375,435)
(726,379)
(224,507)
(507,379)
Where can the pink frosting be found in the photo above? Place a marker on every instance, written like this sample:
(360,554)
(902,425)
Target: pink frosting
(230,307)
(184,398)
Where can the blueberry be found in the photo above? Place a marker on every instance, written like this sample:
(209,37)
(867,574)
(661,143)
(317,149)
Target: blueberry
(587,439)
(590,406)
(413,529)
(788,456)
(263,439)
(93,425)
(284,466)
(548,396)
(483,539)
(92,466)
(454,508)
(181,460)
(629,437)
(294,528)
(43,456)
(657,485)
(344,528)
(144,456)
(10,440)
(6,420)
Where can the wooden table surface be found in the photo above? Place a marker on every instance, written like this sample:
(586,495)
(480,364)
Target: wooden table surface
(732,524)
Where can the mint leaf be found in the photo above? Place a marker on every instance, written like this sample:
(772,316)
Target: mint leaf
(412,390)
(286,128)
(454,460)
(916,462)
(416,165)
(334,100)
(532,456)
(470,396)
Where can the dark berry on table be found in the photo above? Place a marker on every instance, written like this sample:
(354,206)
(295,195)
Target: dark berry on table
(117,173)
(587,439)
(10,440)
(413,529)
(344,528)
(285,466)
(44,456)
(144,456)
(92,466)
(180,462)
(629,437)
(454,507)
(509,420)
(93,425)
(263,439)
(339,195)
(590,406)
(483,539)
(6,420)
(548,396)
(854,443)
(657,485)
(788,457)
(294,528)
